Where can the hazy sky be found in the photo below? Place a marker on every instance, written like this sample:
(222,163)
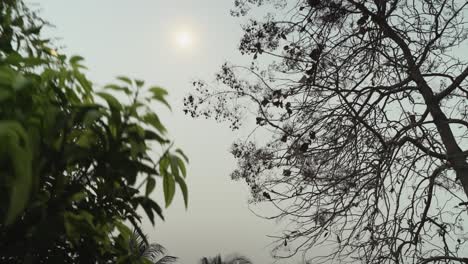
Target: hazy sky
(139,39)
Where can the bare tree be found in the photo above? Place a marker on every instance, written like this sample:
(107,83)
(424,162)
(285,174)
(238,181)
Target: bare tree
(364,104)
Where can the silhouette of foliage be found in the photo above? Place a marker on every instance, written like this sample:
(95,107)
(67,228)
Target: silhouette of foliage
(152,253)
(73,158)
(234,259)
(361,107)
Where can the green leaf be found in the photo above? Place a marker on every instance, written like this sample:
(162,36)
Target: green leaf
(158,91)
(153,120)
(34,30)
(183,188)
(150,135)
(114,106)
(118,88)
(123,229)
(174,166)
(85,83)
(18,60)
(79,196)
(125,80)
(145,168)
(147,261)
(14,58)
(87,217)
(148,209)
(18,21)
(76,223)
(150,184)
(21,83)
(163,165)
(159,94)
(137,148)
(181,153)
(139,83)
(75,59)
(16,150)
(86,139)
(111,101)
(7,75)
(169,188)
(149,206)
(181,166)
(156,208)
(91,116)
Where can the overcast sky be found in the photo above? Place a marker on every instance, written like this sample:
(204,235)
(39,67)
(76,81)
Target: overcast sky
(139,39)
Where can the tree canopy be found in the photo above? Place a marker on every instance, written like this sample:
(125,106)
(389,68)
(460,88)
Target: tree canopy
(73,157)
(361,106)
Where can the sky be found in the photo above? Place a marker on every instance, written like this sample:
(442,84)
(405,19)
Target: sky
(141,39)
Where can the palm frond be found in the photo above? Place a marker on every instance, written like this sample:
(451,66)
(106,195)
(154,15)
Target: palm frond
(154,251)
(137,243)
(240,260)
(167,260)
(235,259)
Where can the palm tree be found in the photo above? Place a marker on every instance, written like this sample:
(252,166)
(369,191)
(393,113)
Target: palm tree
(235,259)
(153,252)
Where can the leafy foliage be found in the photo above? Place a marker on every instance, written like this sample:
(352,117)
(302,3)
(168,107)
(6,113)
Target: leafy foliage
(362,110)
(74,158)
(152,253)
(234,259)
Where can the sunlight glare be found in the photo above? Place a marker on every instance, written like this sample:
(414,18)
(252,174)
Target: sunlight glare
(184,39)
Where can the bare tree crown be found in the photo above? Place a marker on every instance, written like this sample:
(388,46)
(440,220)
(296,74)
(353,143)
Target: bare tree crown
(365,106)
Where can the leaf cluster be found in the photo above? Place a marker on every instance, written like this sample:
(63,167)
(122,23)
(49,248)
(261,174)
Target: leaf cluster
(74,158)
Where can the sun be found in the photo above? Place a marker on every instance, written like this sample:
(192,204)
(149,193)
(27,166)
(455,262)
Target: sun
(184,39)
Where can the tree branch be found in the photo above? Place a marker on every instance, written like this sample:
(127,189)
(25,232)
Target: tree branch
(456,83)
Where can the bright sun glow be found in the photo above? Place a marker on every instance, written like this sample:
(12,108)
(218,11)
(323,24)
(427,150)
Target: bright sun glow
(184,39)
